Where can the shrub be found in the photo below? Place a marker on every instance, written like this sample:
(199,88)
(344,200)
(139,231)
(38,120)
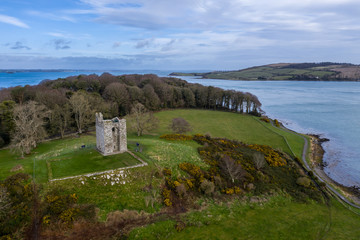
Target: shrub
(180,125)
(180,226)
(181,190)
(277,123)
(120,218)
(16,201)
(166,172)
(207,187)
(265,119)
(166,196)
(229,191)
(303,181)
(5,202)
(259,160)
(271,156)
(194,171)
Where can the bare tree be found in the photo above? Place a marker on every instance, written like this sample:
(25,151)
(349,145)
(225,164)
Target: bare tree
(180,125)
(259,160)
(118,93)
(152,100)
(231,169)
(81,108)
(29,126)
(61,116)
(142,120)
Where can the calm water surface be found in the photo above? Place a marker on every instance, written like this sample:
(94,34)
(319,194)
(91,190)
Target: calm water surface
(331,109)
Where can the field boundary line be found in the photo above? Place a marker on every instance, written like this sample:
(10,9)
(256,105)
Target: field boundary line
(287,143)
(142,164)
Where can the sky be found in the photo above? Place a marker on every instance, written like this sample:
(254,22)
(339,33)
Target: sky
(176,34)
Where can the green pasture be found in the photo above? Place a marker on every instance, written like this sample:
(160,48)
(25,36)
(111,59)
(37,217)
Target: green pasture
(244,128)
(66,157)
(279,217)
(268,73)
(63,158)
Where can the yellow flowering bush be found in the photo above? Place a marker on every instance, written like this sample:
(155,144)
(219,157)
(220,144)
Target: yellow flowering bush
(271,156)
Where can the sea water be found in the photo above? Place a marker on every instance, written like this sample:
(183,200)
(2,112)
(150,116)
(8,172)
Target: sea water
(11,78)
(330,109)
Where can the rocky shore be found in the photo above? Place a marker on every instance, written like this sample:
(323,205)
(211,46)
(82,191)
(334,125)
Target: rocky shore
(317,164)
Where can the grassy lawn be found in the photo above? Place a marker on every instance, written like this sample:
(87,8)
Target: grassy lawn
(109,195)
(279,218)
(164,153)
(65,157)
(233,126)
(87,162)
(296,142)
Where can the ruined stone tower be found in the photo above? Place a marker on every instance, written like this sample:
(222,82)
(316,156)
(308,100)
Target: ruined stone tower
(110,135)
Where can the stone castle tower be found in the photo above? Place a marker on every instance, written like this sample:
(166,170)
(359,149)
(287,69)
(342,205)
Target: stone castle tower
(110,135)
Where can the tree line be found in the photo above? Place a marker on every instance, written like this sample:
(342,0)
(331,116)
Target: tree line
(68,104)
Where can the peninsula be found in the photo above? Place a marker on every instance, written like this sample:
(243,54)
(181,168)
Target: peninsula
(325,71)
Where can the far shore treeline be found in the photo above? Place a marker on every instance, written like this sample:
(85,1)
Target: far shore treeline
(68,104)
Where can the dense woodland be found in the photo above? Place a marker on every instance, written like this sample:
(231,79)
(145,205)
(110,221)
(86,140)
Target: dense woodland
(68,104)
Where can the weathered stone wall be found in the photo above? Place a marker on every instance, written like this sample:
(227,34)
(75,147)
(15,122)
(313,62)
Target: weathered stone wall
(110,135)
(100,141)
(123,136)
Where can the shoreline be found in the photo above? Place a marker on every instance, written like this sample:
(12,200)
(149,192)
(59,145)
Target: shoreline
(315,152)
(317,164)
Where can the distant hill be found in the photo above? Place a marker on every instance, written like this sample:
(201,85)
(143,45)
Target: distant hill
(325,71)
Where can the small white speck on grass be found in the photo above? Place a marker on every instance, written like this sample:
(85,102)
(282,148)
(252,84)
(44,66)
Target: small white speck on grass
(82,182)
(112,183)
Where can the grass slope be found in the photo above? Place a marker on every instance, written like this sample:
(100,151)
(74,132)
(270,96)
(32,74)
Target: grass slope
(244,128)
(277,218)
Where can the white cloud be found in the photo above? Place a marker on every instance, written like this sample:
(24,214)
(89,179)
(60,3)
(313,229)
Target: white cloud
(13,21)
(52,16)
(208,14)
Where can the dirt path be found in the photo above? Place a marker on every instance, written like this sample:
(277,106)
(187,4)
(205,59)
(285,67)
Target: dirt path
(318,172)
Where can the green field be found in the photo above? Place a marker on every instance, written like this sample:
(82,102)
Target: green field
(244,128)
(277,217)
(63,158)
(270,72)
